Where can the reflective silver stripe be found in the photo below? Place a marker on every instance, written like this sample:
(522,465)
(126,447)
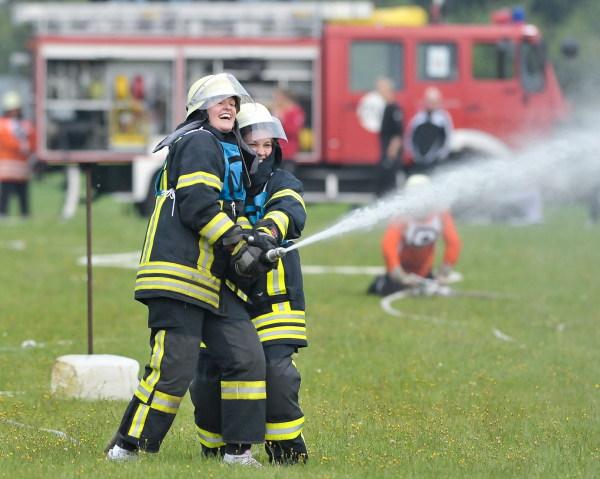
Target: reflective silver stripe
(240,390)
(179,285)
(191,274)
(282,332)
(165,403)
(207,179)
(139,420)
(287,430)
(212,440)
(279,316)
(205,253)
(214,229)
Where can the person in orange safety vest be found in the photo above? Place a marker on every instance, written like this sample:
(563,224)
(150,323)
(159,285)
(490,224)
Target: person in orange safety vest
(408,247)
(16,148)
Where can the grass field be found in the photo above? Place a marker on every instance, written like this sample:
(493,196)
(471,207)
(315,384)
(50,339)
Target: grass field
(383,396)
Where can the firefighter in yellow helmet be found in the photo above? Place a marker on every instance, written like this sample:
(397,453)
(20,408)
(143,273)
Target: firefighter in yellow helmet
(192,240)
(274,212)
(16,149)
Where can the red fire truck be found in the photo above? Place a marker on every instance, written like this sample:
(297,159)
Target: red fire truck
(111,78)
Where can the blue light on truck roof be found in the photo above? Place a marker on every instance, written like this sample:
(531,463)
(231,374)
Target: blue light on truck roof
(518,14)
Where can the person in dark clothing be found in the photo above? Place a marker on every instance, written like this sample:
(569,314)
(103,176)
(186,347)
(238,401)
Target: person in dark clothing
(191,241)
(429,134)
(274,208)
(390,138)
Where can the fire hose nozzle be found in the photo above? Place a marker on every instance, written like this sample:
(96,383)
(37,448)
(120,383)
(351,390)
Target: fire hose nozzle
(274,254)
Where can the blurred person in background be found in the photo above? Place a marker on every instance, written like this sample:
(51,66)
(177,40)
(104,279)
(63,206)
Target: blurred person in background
(390,138)
(16,150)
(292,117)
(192,240)
(409,243)
(274,210)
(428,134)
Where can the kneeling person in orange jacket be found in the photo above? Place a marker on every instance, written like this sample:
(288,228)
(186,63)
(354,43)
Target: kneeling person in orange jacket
(408,247)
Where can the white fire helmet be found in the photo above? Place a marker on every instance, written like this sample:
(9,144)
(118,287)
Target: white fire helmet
(11,101)
(257,123)
(417,181)
(212,89)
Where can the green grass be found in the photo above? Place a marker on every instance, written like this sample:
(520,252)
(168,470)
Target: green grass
(383,396)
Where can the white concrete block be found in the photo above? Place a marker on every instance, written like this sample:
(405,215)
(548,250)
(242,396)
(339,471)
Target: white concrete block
(94,376)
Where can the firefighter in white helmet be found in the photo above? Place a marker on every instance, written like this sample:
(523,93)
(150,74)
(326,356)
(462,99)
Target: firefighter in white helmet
(191,242)
(16,150)
(274,213)
(409,242)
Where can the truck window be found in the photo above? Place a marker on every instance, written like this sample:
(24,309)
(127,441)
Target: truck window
(106,104)
(493,61)
(437,62)
(532,67)
(370,60)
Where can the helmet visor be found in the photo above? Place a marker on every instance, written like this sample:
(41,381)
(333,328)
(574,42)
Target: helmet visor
(216,89)
(264,130)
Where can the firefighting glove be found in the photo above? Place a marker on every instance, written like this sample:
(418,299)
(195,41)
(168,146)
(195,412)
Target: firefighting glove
(398,275)
(246,260)
(232,237)
(266,239)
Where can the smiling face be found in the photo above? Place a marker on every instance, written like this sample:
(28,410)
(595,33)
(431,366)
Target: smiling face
(262,147)
(222,114)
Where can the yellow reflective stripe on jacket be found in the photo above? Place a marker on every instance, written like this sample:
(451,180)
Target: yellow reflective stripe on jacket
(165,402)
(243,222)
(199,177)
(200,276)
(276,280)
(280,431)
(275,317)
(209,439)
(287,192)
(176,286)
(152,225)
(282,332)
(243,390)
(216,227)
(205,256)
(238,292)
(281,220)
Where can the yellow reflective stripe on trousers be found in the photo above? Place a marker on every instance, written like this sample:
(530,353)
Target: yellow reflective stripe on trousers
(151,231)
(281,220)
(216,227)
(176,286)
(243,390)
(275,317)
(209,439)
(276,280)
(139,419)
(280,431)
(282,332)
(288,192)
(146,385)
(199,177)
(165,402)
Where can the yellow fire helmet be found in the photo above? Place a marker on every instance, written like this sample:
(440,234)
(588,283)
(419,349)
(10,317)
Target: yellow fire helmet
(257,123)
(212,89)
(11,101)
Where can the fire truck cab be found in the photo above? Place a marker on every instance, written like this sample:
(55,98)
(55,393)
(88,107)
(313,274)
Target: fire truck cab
(111,79)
